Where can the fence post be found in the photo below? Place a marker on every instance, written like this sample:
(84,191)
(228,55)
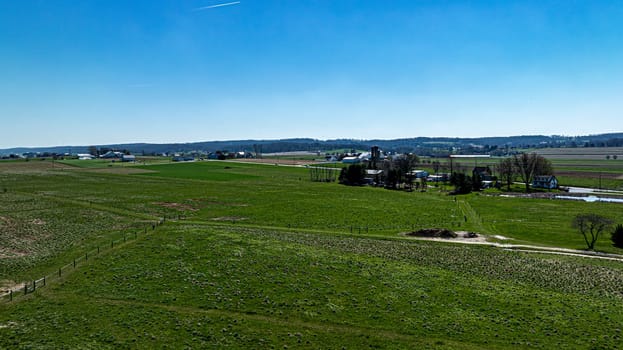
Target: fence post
(74,263)
(11,295)
(25,288)
(135,235)
(44,281)
(34,285)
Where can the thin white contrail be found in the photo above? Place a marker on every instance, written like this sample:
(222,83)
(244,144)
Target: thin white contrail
(217,5)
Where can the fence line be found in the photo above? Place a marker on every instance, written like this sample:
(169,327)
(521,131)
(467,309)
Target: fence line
(32,286)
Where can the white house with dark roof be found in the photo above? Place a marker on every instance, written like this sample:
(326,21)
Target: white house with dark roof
(545,181)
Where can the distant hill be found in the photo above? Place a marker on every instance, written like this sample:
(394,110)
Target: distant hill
(432,146)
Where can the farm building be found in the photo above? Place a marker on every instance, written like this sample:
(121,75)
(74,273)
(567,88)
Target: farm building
(545,181)
(419,174)
(128,158)
(183,159)
(351,160)
(374,176)
(484,172)
(85,156)
(111,155)
(439,177)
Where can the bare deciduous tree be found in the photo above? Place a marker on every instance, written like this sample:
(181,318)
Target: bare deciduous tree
(530,164)
(507,172)
(591,226)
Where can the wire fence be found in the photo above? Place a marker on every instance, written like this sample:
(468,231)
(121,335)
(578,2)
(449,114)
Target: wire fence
(29,287)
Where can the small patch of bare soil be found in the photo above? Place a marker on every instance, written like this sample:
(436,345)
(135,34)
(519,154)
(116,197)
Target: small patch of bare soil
(433,233)
(445,235)
(6,286)
(283,161)
(33,166)
(10,324)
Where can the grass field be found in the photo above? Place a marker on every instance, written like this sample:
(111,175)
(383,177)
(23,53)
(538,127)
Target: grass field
(262,257)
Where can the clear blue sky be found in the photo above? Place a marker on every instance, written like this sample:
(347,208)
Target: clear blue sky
(86,72)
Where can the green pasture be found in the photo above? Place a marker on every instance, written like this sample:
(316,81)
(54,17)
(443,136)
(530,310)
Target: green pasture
(259,195)
(103,163)
(542,221)
(258,256)
(209,286)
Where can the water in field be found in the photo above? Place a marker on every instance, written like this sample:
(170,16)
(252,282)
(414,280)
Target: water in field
(592,199)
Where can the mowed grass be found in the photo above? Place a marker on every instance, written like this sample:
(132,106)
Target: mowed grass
(207,286)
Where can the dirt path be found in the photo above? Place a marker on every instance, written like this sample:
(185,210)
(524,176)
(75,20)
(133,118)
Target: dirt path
(524,248)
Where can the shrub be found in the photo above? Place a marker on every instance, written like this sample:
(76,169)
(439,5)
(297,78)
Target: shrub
(617,236)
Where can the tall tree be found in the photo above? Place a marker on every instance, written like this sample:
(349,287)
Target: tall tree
(507,171)
(530,164)
(353,175)
(591,226)
(462,183)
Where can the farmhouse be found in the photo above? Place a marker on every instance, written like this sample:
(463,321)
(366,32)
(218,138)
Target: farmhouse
(484,172)
(545,181)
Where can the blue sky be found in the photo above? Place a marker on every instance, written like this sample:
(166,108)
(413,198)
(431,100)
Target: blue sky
(86,72)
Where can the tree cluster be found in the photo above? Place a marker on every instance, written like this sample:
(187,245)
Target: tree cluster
(462,183)
(353,175)
(524,166)
(398,171)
